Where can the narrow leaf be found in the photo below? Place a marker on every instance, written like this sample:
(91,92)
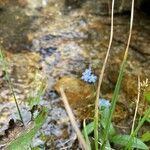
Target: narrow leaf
(86,134)
(89,128)
(104,118)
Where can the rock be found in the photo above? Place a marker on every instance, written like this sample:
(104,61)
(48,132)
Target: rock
(74,3)
(80,94)
(103,7)
(121,113)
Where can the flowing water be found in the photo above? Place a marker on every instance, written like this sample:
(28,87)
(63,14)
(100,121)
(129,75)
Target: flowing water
(47,40)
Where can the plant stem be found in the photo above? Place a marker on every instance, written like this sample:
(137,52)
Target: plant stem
(73,121)
(96,117)
(10,86)
(119,80)
(137,104)
(14,96)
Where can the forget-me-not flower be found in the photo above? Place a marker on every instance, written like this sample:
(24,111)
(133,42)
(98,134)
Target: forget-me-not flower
(104,103)
(92,78)
(87,76)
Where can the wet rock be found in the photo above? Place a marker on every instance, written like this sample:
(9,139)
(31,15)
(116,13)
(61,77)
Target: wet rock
(145,6)
(50,42)
(71,4)
(13,2)
(21,69)
(78,92)
(13,18)
(129,86)
(129,82)
(140,36)
(81,95)
(35,5)
(13,130)
(37,142)
(121,113)
(103,7)
(2,73)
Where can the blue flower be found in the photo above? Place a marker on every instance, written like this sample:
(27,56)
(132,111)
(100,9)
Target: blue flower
(87,72)
(104,103)
(92,78)
(87,76)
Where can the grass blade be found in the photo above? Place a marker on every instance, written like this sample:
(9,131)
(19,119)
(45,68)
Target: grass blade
(2,60)
(86,129)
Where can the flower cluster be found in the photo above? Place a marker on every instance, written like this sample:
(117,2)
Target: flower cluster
(87,76)
(104,103)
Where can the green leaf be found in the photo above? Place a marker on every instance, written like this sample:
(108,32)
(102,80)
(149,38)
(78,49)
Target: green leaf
(114,100)
(85,133)
(123,140)
(147,96)
(148,119)
(146,137)
(24,140)
(107,146)
(89,128)
(140,124)
(104,118)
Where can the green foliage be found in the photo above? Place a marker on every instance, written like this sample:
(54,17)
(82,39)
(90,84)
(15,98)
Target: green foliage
(140,124)
(113,104)
(86,132)
(128,141)
(146,136)
(104,118)
(88,128)
(123,140)
(147,96)
(24,140)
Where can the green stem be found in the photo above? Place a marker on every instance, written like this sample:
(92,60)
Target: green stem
(14,96)
(118,84)
(96,117)
(10,86)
